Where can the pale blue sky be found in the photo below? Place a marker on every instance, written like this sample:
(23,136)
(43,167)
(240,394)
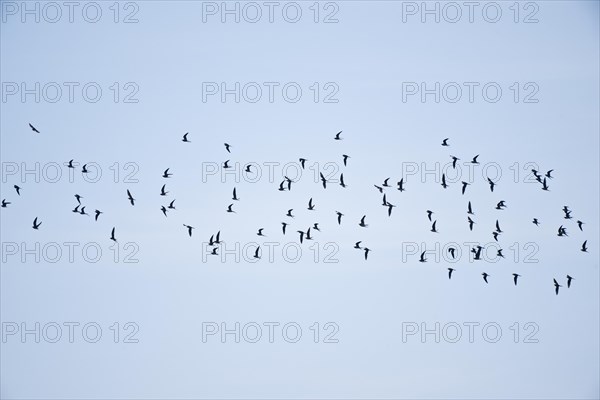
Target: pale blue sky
(170,292)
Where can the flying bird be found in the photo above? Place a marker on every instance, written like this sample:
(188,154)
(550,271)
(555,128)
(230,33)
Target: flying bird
(515,277)
(485,276)
(474,160)
(450,270)
(98,212)
(166,174)
(248,168)
(164,210)
(339,217)
(423,258)
(226,164)
(337,136)
(234,195)
(70,165)
(379,188)
(18,189)
(569,279)
(289,213)
(171,205)
(259,233)
(227,146)
(584,247)
(401,185)
(302,162)
(390,206)
(444,185)
(357,245)
(548,174)
(229,209)
(556,286)
(316,227)
(84,169)
(185,139)
(35,224)
(536,222)
(385,183)
(445,142)
(464,186)
(33,128)
(130,197)
(78,197)
(162,190)
(76,209)
(189,229)
(112,235)
(346,157)
(471,222)
(323,180)
(362,222)
(281,188)
(433,227)
(367,252)
(283,226)
(469,209)
(301,236)
(580,225)
(451,250)
(256,253)
(545,187)
(495,234)
(499,253)
(501,205)
(492,184)
(342,184)
(562,231)
(5,203)
(454,160)
(429,213)
(82,211)
(311,206)
(498,227)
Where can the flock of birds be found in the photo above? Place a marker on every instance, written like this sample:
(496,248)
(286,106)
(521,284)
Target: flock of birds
(286,184)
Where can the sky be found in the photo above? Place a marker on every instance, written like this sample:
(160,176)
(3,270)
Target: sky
(116,86)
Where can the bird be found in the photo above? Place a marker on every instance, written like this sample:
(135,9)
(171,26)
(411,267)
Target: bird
(444,185)
(311,206)
(450,270)
(301,236)
(492,184)
(76,209)
(423,258)
(226,164)
(78,197)
(98,212)
(477,253)
(495,234)
(256,253)
(214,251)
(401,185)
(337,136)
(211,242)
(433,227)
(469,209)
(234,195)
(164,210)
(474,160)
(172,206)
(562,231)
(283,226)
(580,225)
(584,247)
(548,174)
(385,183)
(379,188)
(569,279)
(556,286)
(346,157)
(308,237)
(384,201)
(70,164)
(162,190)
(367,252)
(429,213)
(248,168)
(445,142)
(451,250)
(229,209)
(185,139)
(259,233)
(5,203)
(323,180)
(166,174)
(289,182)
(498,227)
(471,222)
(227,146)
(464,186)
(18,189)
(35,224)
(536,222)
(218,238)
(454,160)
(130,197)
(339,217)
(515,277)
(362,222)
(501,205)
(289,213)
(281,188)
(82,211)
(342,184)
(189,229)
(302,162)
(316,227)
(499,253)
(112,235)
(357,245)
(485,276)
(33,128)
(545,187)
(84,169)
(390,206)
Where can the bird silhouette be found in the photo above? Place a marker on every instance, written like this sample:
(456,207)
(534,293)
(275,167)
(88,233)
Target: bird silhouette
(444,185)
(164,210)
(501,205)
(311,206)
(485,276)
(234,195)
(337,136)
(248,168)
(499,253)
(189,229)
(545,187)
(84,169)
(471,222)
(302,162)
(584,247)
(18,189)
(130,197)
(548,174)
(536,222)
(556,286)
(346,157)
(401,185)
(227,147)
(433,227)
(464,186)
(70,164)
(98,212)
(379,188)
(498,227)
(474,160)
(339,217)
(515,277)
(33,128)
(385,183)
(390,207)
(362,222)
(76,209)
(423,258)
(492,184)
(256,253)
(112,235)
(342,183)
(580,225)
(82,211)
(301,236)
(323,180)
(454,160)
(185,139)
(166,174)
(162,190)
(429,214)
(469,209)
(226,164)
(445,142)
(450,270)
(259,233)
(283,226)
(229,208)
(366,252)
(569,279)
(357,245)
(289,213)
(78,197)
(5,203)
(214,251)
(316,227)
(36,225)
(172,206)
(452,250)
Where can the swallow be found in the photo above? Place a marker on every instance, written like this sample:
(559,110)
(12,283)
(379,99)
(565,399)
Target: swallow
(515,277)
(82,211)
(444,185)
(164,210)
(471,222)
(450,270)
(401,185)
(323,180)
(584,247)
(536,222)
(470,210)
(33,128)
(84,169)
(289,182)
(501,205)
(5,203)
(556,286)
(211,242)
(189,229)
(130,197)
(308,237)
(379,188)
(259,233)
(384,201)
(464,186)
(227,146)
(171,205)
(477,253)
(218,238)
(357,245)
(301,236)
(337,136)
(35,224)
(214,251)
(562,231)
(281,188)
(492,184)
(429,214)
(316,227)
(311,206)
(485,276)
(339,217)
(385,183)
(580,225)
(185,139)
(451,250)
(248,168)
(162,190)
(498,227)
(390,206)
(78,197)
(76,209)
(256,253)
(226,164)
(342,184)
(70,164)
(229,209)
(445,142)
(569,279)
(454,160)
(474,160)
(346,157)
(289,213)
(234,195)
(433,227)
(548,174)
(367,252)
(362,222)
(166,174)
(283,226)
(545,187)
(302,162)
(18,189)
(495,234)
(112,235)
(423,258)
(499,253)
(568,215)
(97,212)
